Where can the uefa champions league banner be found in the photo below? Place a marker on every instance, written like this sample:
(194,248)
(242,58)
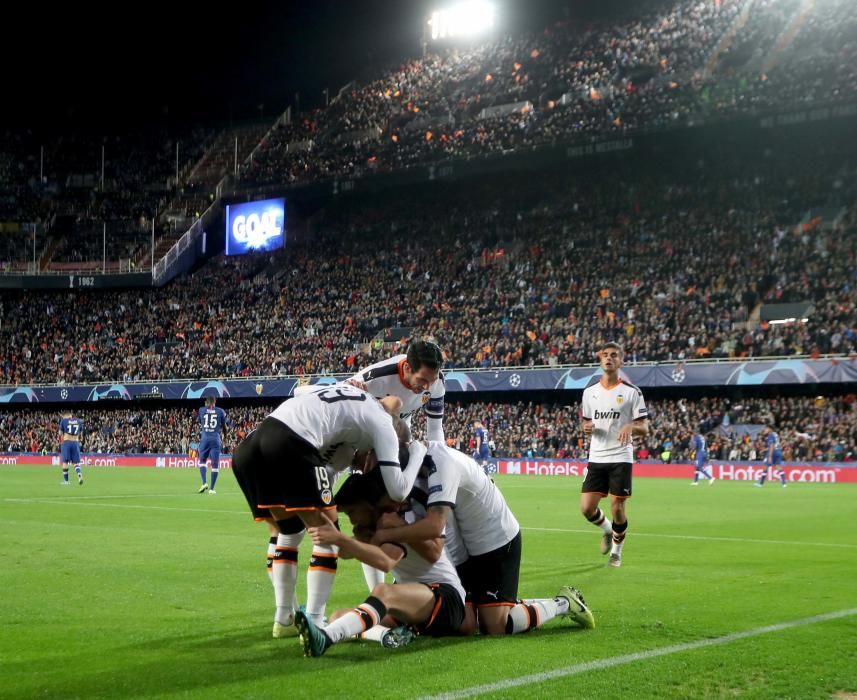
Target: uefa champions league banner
(711,374)
(811,472)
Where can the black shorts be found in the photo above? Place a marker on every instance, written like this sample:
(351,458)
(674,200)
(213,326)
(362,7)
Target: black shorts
(492,578)
(447,614)
(276,467)
(613,478)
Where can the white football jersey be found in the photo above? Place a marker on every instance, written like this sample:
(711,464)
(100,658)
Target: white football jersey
(482,517)
(453,545)
(385,379)
(610,410)
(414,569)
(339,418)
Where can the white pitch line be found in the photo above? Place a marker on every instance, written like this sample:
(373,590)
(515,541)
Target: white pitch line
(704,538)
(613,661)
(76,502)
(104,498)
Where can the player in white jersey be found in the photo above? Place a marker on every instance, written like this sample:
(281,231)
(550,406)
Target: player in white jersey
(427,592)
(491,539)
(281,469)
(613,413)
(416,379)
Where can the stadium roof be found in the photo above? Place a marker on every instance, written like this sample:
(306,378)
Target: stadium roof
(199,65)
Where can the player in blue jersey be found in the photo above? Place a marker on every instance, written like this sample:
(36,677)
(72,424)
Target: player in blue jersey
(71,430)
(211,421)
(773,456)
(482,452)
(700,446)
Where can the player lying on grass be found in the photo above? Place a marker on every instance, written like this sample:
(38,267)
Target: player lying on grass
(427,594)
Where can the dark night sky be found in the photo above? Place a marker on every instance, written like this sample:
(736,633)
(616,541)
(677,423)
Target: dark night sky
(173,63)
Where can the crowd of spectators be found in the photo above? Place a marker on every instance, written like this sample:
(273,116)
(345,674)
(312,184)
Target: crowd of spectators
(647,73)
(810,428)
(537,279)
(51,177)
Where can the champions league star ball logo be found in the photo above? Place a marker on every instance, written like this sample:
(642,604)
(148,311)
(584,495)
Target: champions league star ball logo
(515,380)
(678,374)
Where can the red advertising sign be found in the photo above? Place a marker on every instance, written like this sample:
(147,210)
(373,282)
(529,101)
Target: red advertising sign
(832,473)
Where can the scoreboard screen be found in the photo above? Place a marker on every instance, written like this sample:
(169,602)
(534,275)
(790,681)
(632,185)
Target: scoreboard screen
(255,226)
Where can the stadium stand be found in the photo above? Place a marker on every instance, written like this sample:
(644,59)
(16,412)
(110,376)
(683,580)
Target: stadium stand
(811,428)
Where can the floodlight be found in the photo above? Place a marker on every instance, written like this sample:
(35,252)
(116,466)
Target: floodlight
(465,19)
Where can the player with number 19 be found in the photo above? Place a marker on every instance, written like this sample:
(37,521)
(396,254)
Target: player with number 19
(282,469)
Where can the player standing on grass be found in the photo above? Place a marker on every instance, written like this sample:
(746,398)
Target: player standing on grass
(481,452)
(773,457)
(71,430)
(700,447)
(613,414)
(211,421)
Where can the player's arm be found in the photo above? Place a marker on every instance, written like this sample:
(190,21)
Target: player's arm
(434,417)
(586,423)
(383,557)
(428,528)
(429,549)
(398,482)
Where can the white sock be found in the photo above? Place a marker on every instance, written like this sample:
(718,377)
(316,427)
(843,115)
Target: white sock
(529,614)
(373,576)
(285,576)
(272,548)
(352,623)
(375,633)
(319,581)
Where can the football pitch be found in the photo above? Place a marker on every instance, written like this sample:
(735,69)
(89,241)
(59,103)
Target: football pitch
(135,586)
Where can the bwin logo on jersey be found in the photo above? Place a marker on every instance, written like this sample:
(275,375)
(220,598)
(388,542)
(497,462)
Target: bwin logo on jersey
(607,414)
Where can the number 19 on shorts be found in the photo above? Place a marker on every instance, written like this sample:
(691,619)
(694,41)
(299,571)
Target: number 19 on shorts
(322,481)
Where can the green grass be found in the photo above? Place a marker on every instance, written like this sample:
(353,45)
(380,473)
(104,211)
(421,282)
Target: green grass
(134,586)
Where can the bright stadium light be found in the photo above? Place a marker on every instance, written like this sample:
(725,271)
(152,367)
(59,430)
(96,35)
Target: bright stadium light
(465,19)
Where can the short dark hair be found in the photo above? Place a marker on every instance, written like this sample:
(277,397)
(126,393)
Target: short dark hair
(424,353)
(360,488)
(210,401)
(614,346)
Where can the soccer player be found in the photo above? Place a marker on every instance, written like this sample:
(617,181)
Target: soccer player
(700,446)
(427,592)
(415,378)
(613,413)
(488,556)
(773,456)
(281,468)
(482,452)
(211,421)
(71,430)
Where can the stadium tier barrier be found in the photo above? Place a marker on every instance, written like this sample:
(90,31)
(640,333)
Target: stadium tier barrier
(808,472)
